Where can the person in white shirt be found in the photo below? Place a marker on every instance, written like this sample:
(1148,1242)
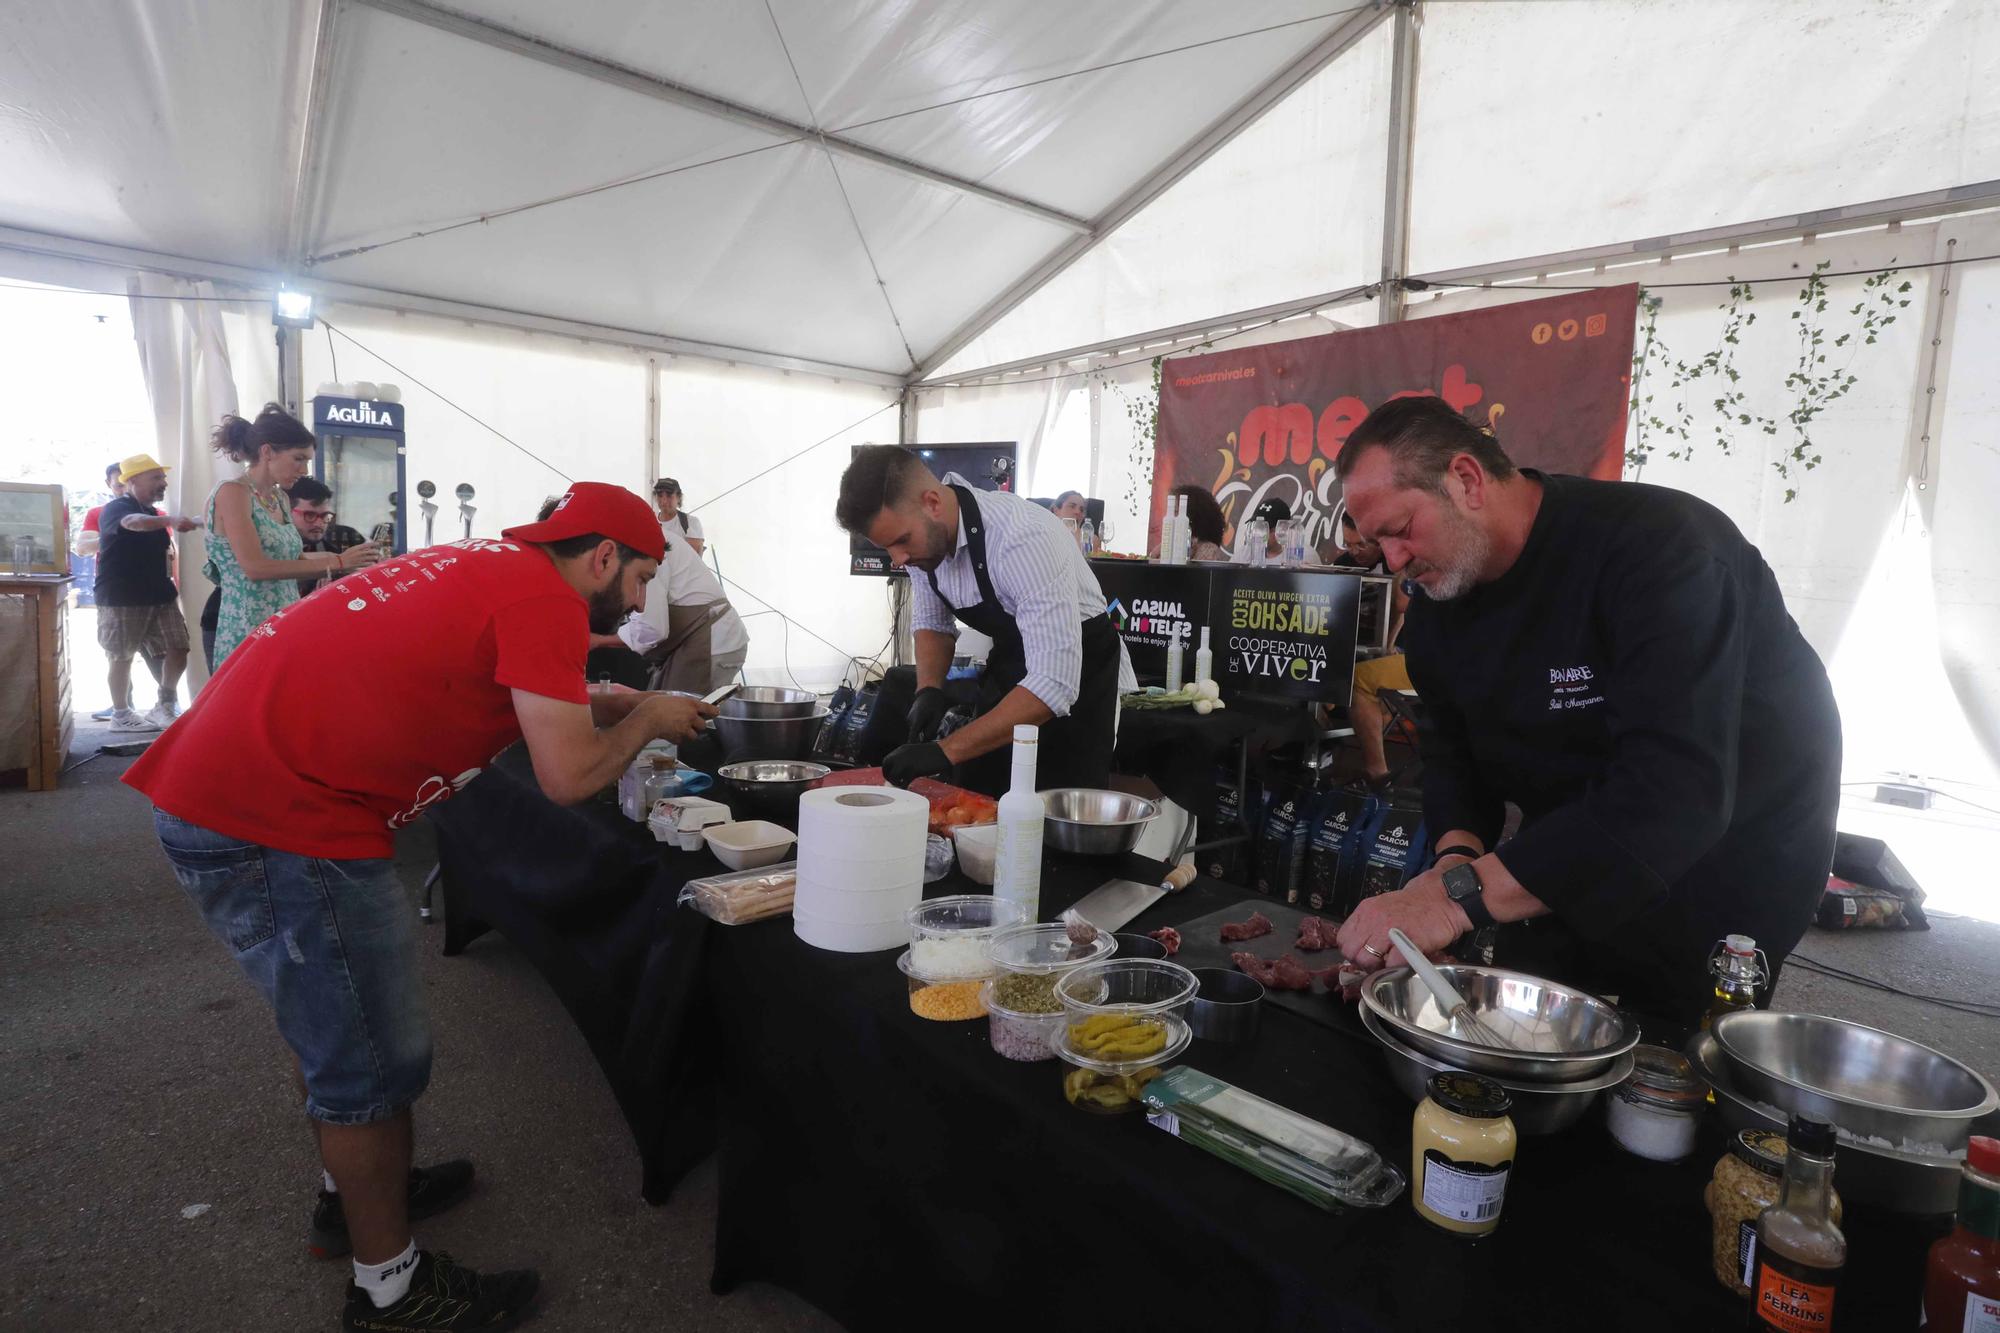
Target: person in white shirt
(684,591)
(1009,569)
(674,520)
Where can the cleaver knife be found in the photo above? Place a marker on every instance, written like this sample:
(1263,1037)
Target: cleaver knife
(1116,901)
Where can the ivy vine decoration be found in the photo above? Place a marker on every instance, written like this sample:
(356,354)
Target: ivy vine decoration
(1813,383)
(1143,411)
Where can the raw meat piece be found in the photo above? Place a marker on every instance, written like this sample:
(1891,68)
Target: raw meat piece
(1315,933)
(1260,970)
(1258,924)
(1288,973)
(1168,936)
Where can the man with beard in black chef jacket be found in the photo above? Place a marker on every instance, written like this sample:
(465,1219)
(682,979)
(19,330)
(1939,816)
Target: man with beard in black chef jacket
(1617,660)
(1011,570)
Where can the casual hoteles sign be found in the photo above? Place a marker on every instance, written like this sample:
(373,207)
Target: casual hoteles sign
(1551,377)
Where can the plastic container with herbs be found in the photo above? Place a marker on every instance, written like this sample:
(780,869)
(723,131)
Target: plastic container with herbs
(1023,1012)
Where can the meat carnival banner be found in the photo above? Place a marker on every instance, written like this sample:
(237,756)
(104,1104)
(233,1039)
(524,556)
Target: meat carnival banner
(1551,378)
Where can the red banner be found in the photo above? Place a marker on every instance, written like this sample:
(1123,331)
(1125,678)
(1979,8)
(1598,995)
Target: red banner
(1552,377)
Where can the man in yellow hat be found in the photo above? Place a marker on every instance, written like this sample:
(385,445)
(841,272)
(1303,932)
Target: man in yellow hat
(138,607)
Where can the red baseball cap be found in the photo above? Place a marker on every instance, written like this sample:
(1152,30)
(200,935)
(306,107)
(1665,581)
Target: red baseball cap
(599,507)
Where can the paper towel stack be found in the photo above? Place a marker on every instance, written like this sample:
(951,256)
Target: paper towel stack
(861,867)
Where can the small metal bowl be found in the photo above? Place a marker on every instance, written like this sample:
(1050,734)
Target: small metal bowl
(1566,1033)
(746,738)
(769,701)
(1134,945)
(1227,1005)
(771,777)
(1088,821)
(1868,1082)
(1539,1108)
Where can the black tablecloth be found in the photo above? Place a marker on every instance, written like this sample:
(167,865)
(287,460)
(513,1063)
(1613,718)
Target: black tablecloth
(897,1172)
(1182,751)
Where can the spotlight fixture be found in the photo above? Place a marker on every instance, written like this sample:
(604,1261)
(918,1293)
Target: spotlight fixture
(292,309)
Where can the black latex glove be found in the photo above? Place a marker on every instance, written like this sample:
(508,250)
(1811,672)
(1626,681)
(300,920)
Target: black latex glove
(926,711)
(920,759)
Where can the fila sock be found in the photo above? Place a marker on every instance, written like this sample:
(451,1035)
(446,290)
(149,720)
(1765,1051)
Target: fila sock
(387,1283)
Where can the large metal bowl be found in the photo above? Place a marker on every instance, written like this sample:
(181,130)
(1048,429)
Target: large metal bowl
(1088,821)
(769,701)
(770,779)
(1922,1183)
(767,737)
(1868,1082)
(1539,1108)
(1565,1034)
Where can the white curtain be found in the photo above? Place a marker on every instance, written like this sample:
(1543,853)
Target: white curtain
(184,356)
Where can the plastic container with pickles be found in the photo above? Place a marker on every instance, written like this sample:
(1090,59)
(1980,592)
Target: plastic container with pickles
(1123,1019)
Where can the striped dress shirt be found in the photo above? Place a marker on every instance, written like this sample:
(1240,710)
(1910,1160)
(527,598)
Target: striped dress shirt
(1040,578)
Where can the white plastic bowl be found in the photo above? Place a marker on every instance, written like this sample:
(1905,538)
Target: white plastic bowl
(978,847)
(749,844)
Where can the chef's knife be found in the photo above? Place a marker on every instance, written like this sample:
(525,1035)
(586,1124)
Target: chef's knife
(1116,901)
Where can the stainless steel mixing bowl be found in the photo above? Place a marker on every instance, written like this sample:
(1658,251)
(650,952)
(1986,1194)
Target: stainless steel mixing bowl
(1922,1183)
(1868,1082)
(1564,1033)
(771,777)
(1539,1108)
(769,701)
(767,737)
(1088,821)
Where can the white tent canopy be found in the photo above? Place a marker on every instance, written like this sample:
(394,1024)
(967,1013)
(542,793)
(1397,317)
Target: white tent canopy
(700,237)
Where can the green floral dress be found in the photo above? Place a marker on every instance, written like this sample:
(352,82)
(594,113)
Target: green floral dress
(247,602)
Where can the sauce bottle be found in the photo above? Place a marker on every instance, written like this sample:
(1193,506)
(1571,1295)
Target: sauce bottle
(1462,1151)
(1800,1252)
(1962,1280)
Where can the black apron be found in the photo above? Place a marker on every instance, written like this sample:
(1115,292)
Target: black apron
(1075,751)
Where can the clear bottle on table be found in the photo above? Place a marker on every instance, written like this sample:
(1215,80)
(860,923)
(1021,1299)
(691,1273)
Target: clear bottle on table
(1800,1249)
(1017,861)
(1086,537)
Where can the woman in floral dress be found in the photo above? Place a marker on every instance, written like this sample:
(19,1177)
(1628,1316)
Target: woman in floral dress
(255,555)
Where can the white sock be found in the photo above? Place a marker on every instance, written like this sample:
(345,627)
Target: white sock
(326,1182)
(386,1283)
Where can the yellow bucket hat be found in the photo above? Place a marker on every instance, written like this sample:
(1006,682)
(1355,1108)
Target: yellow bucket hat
(136,464)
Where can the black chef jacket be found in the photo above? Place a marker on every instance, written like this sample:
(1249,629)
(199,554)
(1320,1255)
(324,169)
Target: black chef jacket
(1635,684)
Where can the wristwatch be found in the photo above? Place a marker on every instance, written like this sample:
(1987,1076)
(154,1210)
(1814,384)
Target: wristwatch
(1462,886)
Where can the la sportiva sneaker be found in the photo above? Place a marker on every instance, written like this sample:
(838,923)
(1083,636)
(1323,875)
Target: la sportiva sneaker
(445,1294)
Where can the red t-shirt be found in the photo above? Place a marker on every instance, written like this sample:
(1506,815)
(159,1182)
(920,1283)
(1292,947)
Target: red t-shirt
(340,718)
(90,519)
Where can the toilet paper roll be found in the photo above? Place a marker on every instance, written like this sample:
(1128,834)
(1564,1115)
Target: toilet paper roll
(863,824)
(844,938)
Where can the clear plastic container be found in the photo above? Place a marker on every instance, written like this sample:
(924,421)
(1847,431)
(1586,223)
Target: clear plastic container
(1018,1034)
(943,999)
(1123,1019)
(1139,986)
(948,936)
(1046,949)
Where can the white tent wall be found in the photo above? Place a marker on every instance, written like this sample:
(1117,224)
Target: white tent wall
(579,408)
(774,540)
(1542,126)
(1290,207)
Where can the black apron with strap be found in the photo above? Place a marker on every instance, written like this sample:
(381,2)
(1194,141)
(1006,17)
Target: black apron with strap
(1075,751)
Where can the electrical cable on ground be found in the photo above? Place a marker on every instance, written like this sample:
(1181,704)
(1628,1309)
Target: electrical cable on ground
(1973,1007)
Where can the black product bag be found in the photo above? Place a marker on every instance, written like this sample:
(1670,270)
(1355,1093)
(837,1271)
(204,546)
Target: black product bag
(1332,867)
(1395,850)
(1281,846)
(1232,863)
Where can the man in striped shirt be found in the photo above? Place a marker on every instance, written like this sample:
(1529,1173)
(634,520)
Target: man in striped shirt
(1011,570)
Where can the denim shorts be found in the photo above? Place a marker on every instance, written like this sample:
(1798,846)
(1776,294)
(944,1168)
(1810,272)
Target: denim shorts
(333,947)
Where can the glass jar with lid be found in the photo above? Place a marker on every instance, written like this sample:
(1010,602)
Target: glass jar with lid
(1654,1113)
(1747,1180)
(1461,1153)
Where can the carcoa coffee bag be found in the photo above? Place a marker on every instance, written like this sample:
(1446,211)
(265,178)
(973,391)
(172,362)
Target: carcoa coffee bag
(1396,850)
(1281,848)
(1232,863)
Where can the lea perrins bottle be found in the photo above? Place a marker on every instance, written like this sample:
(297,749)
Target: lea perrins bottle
(1962,1279)
(1800,1252)
(1017,863)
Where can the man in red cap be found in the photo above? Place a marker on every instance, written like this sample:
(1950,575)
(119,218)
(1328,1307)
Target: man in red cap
(277,794)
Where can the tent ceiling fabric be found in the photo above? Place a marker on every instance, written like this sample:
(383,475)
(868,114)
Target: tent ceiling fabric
(116,128)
